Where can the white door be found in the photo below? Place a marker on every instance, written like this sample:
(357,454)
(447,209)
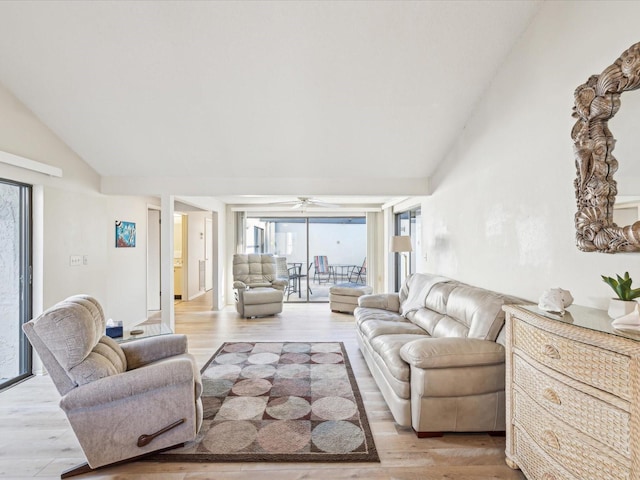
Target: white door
(208,254)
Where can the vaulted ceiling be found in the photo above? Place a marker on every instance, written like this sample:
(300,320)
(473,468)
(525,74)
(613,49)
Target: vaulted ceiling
(370,93)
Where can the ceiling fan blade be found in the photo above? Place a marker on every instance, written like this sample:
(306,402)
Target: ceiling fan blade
(323,204)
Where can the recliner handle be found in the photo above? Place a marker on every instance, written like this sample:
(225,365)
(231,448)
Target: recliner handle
(144,440)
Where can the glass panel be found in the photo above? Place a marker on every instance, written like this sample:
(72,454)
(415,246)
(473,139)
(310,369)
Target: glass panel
(408,223)
(340,243)
(14,282)
(337,250)
(286,238)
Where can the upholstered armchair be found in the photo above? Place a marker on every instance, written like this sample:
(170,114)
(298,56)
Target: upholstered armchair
(259,291)
(122,400)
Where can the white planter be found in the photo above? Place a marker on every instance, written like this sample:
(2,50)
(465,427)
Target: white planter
(619,308)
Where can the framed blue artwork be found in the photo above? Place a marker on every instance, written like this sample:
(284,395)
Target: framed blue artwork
(125,234)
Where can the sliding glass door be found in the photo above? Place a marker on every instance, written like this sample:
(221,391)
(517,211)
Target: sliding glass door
(15,280)
(316,252)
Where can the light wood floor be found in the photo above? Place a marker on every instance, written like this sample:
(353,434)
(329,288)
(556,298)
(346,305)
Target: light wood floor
(36,440)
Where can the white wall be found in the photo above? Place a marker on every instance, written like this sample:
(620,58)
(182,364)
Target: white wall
(501,213)
(126,270)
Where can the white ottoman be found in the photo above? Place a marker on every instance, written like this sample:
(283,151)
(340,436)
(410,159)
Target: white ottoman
(344,296)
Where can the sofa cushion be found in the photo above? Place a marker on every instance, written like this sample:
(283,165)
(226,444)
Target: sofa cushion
(472,312)
(365,314)
(374,328)
(426,319)
(438,296)
(415,290)
(388,347)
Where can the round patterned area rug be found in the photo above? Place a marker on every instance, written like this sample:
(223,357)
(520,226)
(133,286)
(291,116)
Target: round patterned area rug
(279,402)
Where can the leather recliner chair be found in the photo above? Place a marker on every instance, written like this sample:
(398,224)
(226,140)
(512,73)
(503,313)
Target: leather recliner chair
(258,290)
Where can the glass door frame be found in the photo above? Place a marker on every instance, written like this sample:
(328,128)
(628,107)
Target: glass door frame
(410,216)
(25,278)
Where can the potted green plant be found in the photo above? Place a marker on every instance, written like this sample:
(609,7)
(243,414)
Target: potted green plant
(625,302)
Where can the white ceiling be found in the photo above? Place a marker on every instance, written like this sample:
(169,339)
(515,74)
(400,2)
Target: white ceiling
(300,90)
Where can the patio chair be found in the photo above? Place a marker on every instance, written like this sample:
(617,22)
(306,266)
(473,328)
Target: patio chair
(359,274)
(288,274)
(321,265)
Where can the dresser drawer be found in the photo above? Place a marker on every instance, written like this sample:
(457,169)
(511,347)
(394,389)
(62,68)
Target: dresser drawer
(565,445)
(534,463)
(600,368)
(598,419)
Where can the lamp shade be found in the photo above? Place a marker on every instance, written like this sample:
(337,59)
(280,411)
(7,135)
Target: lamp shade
(400,243)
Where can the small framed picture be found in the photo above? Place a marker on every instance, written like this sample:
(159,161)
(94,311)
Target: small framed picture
(125,234)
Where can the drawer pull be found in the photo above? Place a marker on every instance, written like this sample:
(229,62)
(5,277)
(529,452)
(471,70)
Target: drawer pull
(551,396)
(551,352)
(551,439)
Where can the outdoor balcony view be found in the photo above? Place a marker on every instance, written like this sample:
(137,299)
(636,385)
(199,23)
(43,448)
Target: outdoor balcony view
(312,253)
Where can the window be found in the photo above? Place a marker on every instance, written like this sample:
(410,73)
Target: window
(15,281)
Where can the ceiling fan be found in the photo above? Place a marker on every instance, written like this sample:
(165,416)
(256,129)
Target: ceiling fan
(305,202)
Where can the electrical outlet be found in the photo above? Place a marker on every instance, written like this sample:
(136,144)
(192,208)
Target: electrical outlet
(85,259)
(75,260)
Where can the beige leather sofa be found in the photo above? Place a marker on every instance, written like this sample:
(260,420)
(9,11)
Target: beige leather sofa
(436,352)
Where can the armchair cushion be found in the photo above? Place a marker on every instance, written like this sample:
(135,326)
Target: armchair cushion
(129,384)
(147,350)
(253,269)
(104,360)
(72,329)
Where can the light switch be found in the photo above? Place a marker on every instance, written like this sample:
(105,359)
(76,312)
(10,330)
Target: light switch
(75,260)
(85,259)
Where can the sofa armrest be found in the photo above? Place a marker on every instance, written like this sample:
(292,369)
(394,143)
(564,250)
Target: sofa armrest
(384,301)
(239,285)
(146,350)
(452,352)
(128,384)
(280,284)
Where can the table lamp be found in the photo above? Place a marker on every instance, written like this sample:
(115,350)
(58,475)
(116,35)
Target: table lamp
(401,244)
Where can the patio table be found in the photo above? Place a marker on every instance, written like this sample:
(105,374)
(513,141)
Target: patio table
(340,270)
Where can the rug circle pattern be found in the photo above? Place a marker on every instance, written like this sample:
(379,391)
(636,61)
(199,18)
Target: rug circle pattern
(279,401)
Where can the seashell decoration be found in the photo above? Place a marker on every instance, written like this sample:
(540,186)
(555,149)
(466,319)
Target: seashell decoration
(555,300)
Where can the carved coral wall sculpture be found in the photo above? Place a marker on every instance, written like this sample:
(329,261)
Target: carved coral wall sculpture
(597,101)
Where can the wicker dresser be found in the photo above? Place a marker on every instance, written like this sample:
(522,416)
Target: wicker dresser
(573,407)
